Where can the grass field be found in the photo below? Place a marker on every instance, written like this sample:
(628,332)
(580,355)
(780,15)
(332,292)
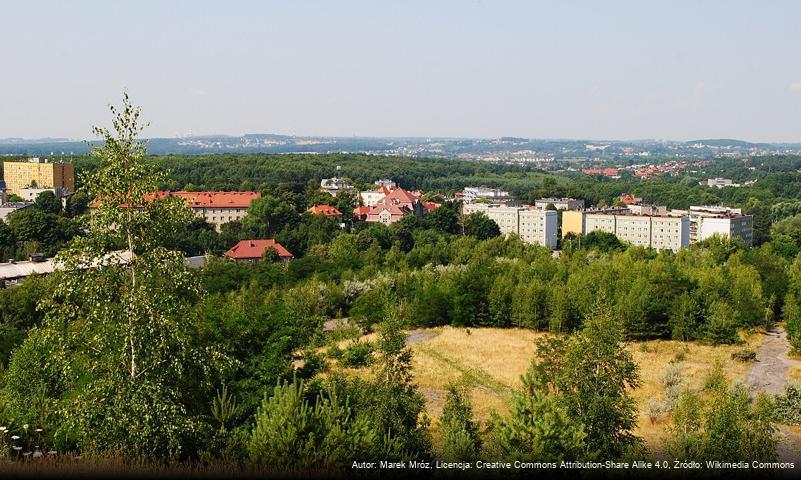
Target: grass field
(489,363)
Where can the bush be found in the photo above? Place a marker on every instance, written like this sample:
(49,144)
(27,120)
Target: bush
(715,380)
(744,355)
(787,406)
(357,355)
(656,409)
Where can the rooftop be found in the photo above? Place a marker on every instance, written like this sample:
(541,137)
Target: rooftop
(250,249)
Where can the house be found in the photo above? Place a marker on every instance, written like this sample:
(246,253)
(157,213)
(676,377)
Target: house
(334,185)
(252,251)
(387,214)
(326,210)
(216,208)
(360,213)
(395,205)
(431,206)
(627,199)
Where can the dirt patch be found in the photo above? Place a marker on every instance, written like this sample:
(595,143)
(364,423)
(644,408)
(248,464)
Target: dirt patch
(417,336)
(771,371)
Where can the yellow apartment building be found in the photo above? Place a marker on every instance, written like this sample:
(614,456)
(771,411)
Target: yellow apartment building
(39,172)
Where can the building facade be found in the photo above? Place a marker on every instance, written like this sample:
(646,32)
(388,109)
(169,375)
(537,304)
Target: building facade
(533,225)
(217,208)
(471,194)
(706,221)
(39,173)
(660,232)
(560,203)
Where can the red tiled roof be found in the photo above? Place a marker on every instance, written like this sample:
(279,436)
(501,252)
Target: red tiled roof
(248,249)
(431,206)
(398,195)
(327,210)
(212,199)
(362,210)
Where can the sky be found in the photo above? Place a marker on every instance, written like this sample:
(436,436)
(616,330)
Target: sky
(621,70)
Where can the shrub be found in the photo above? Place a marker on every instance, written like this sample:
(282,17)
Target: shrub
(672,376)
(358,354)
(744,355)
(787,406)
(655,409)
(715,379)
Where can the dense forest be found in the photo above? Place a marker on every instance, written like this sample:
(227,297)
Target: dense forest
(231,363)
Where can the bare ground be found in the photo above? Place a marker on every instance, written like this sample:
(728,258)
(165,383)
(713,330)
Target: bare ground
(769,375)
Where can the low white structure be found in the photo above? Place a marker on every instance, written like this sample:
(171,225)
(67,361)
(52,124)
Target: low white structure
(30,194)
(8,208)
(334,185)
(559,203)
(471,194)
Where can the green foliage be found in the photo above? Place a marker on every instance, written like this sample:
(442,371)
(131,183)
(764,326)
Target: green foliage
(48,202)
(115,360)
(480,226)
(722,326)
(459,431)
(787,406)
(539,426)
(592,373)
(726,426)
(293,434)
(357,354)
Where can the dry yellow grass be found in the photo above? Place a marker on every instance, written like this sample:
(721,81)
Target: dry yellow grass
(653,357)
(490,361)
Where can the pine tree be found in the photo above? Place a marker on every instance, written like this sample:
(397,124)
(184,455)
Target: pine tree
(459,430)
(538,426)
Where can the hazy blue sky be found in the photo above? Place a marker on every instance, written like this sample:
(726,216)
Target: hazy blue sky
(594,69)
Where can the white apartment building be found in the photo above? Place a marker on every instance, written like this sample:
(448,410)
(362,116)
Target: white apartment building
(371,197)
(706,221)
(654,231)
(560,203)
(538,226)
(635,229)
(534,226)
(670,233)
(471,194)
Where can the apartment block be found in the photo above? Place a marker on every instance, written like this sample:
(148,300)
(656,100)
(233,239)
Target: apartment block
(661,232)
(534,226)
(39,173)
(538,226)
(706,221)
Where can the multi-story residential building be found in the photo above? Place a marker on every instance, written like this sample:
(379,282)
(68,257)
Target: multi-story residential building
(560,203)
(720,182)
(217,208)
(506,217)
(635,229)
(661,232)
(670,233)
(642,209)
(533,225)
(471,194)
(39,173)
(538,226)
(706,221)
